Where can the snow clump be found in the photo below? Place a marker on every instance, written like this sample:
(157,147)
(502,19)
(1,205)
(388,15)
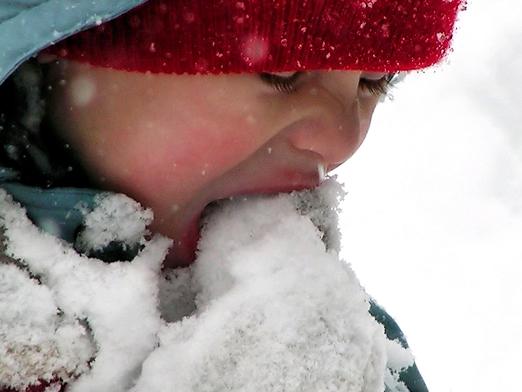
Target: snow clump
(276,310)
(36,341)
(117,301)
(267,306)
(116,218)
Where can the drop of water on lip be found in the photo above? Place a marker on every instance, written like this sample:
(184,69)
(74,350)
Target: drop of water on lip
(321,170)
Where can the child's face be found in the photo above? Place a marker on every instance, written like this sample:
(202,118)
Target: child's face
(177,142)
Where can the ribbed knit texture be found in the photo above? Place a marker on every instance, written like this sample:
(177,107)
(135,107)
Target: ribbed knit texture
(225,36)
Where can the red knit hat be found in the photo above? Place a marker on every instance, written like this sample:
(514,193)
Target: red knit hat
(223,36)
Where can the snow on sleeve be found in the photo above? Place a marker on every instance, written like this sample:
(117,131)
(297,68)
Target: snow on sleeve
(118,301)
(276,308)
(399,359)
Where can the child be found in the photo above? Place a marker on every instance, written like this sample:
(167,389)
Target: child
(178,103)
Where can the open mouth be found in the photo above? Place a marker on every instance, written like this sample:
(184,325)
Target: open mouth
(184,250)
(244,183)
(311,202)
(209,209)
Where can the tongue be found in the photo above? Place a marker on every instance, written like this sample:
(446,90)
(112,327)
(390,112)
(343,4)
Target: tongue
(183,251)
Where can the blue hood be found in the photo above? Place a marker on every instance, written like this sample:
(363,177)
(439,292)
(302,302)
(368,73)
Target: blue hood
(28,26)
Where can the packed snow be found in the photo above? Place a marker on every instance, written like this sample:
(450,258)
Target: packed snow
(268,304)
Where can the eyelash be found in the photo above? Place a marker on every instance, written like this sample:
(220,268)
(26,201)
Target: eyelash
(287,84)
(380,87)
(283,84)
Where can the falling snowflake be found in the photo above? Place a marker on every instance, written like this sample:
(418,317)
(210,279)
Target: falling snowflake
(255,49)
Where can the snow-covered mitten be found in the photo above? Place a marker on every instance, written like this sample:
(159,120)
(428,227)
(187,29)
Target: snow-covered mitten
(277,310)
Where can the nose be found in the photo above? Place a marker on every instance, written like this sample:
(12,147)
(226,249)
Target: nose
(334,124)
(334,138)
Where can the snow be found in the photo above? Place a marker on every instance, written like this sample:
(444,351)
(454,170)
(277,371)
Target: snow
(82,90)
(274,308)
(116,218)
(106,296)
(254,49)
(35,341)
(436,192)
(268,305)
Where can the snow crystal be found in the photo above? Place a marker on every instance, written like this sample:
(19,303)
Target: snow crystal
(268,304)
(82,90)
(116,218)
(255,49)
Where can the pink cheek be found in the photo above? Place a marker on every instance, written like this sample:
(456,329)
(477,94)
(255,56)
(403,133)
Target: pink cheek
(173,164)
(215,148)
(174,156)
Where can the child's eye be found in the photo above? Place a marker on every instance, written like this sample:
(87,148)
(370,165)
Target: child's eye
(284,82)
(377,86)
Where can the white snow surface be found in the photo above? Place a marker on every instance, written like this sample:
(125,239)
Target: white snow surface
(268,304)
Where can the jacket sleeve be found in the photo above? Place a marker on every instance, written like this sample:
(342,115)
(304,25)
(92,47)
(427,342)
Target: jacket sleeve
(410,376)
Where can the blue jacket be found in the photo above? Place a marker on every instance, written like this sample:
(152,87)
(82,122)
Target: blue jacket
(27,27)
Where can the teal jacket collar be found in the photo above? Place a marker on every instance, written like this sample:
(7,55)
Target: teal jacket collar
(58,211)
